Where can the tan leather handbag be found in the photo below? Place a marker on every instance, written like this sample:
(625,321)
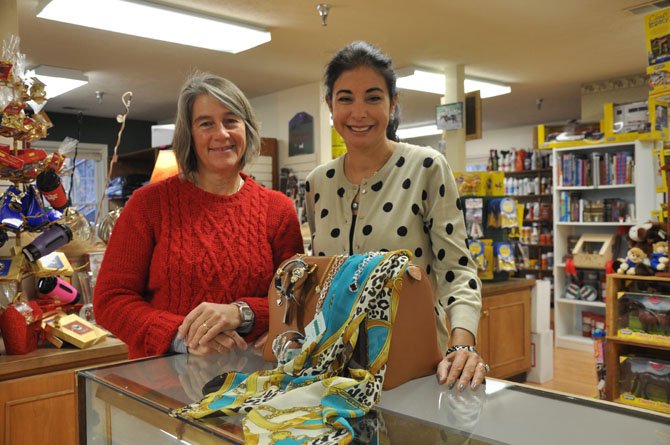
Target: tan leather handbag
(414,351)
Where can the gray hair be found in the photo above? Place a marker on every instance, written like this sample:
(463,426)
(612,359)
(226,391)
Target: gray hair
(231,97)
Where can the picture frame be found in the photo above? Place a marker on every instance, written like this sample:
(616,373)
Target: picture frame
(449,116)
(473,116)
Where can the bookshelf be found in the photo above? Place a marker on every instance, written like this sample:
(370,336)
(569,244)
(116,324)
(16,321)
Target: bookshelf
(617,194)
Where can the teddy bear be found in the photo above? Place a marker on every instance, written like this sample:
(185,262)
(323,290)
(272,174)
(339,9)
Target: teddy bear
(645,235)
(659,256)
(635,263)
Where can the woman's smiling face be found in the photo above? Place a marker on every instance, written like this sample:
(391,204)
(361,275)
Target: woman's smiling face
(361,107)
(219,136)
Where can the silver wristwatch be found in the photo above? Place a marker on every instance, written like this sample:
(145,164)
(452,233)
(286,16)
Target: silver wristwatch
(248,317)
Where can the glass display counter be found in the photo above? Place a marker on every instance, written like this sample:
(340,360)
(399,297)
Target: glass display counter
(128,403)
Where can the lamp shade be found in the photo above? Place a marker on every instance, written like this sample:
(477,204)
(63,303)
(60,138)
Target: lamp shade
(165,167)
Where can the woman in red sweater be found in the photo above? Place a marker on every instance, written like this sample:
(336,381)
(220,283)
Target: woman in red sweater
(191,258)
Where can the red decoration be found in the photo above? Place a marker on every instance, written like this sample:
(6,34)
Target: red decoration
(19,337)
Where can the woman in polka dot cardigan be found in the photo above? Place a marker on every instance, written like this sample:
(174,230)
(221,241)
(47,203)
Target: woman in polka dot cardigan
(386,195)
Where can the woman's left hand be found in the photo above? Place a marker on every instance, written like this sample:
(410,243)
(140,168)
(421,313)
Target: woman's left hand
(462,368)
(204,323)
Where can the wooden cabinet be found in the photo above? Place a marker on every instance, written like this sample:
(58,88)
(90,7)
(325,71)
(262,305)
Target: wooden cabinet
(617,346)
(38,394)
(503,338)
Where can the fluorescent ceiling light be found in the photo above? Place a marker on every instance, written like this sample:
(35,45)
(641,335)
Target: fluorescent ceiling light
(429,82)
(56,80)
(417,132)
(144,19)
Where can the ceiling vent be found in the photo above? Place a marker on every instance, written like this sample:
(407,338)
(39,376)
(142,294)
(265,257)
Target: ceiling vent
(648,7)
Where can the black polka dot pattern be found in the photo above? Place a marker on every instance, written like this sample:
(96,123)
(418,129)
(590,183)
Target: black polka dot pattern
(427,162)
(415,209)
(436,311)
(324,213)
(449,276)
(316,198)
(307,186)
(428,269)
(463,261)
(451,300)
(472,283)
(377,186)
(450,229)
(335,232)
(406,184)
(321,254)
(367,230)
(424,195)
(400,162)
(459,205)
(442,191)
(330,173)
(440,254)
(418,252)
(388,207)
(340,192)
(402,231)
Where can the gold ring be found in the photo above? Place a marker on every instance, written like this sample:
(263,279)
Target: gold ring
(204,325)
(485,367)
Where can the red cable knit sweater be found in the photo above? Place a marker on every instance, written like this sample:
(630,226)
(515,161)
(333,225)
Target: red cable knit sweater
(175,246)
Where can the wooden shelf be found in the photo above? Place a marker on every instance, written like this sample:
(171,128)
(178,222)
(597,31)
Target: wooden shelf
(616,346)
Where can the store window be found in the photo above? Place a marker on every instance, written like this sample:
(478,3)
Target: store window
(86,183)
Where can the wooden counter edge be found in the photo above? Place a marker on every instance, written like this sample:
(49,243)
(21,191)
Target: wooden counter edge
(490,289)
(45,360)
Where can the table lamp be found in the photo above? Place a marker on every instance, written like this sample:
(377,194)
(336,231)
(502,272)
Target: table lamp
(166,165)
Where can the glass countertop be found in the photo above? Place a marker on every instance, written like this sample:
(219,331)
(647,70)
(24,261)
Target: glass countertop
(123,400)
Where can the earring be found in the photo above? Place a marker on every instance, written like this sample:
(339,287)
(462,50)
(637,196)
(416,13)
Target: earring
(391,116)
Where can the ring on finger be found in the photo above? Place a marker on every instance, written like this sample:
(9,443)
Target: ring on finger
(485,367)
(204,325)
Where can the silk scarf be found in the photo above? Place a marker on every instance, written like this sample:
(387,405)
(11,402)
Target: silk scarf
(310,398)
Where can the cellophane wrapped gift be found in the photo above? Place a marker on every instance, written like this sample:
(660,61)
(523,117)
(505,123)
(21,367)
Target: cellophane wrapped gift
(20,324)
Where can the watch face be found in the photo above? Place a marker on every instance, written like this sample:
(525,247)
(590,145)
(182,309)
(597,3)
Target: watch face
(247,313)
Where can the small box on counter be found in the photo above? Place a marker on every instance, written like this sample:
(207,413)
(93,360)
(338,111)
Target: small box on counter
(541,356)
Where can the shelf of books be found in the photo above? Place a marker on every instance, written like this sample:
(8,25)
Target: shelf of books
(597,193)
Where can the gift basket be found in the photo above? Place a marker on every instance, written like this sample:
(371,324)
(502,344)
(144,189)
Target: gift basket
(35,212)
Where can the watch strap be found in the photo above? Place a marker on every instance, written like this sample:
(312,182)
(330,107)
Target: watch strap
(455,348)
(247,315)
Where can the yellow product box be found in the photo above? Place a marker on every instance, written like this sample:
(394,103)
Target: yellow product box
(646,120)
(471,183)
(482,252)
(642,317)
(495,183)
(55,263)
(658,79)
(657,36)
(74,330)
(640,382)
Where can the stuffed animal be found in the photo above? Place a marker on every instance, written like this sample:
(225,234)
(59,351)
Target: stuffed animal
(659,257)
(635,263)
(645,235)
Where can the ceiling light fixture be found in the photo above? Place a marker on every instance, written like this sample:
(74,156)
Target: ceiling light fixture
(418,131)
(58,81)
(431,82)
(152,21)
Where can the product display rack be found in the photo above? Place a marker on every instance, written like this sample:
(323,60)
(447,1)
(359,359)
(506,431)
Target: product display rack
(544,225)
(617,346)
(640,198)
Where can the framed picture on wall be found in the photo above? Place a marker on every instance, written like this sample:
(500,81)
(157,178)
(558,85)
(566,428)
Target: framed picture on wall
(473,116)
(449,116)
